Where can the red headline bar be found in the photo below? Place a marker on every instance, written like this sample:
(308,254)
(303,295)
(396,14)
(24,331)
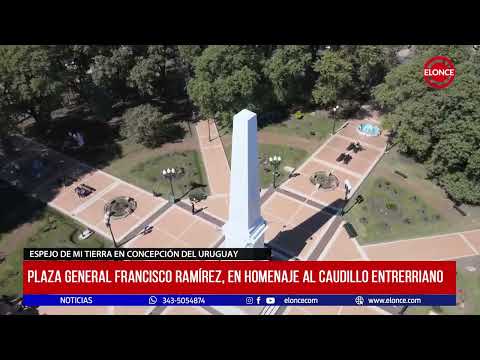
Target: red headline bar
(239,277)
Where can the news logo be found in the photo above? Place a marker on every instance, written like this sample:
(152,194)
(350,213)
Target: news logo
(439,72)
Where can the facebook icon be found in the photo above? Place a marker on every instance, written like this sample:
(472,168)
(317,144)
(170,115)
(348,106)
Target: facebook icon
(258,300)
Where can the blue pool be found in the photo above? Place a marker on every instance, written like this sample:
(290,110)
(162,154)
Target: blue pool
(368,130)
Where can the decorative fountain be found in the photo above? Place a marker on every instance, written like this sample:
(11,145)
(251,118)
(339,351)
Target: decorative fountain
(367,129)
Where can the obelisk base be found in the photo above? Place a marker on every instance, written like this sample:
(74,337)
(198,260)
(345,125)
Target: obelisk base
(250,239)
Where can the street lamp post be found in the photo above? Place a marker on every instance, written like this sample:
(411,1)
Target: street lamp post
(209,136)
(348,188)
(334,117)
(108,224)
(170,175)
(275,162)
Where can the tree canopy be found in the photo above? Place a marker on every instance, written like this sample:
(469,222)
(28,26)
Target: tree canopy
(31,81)
(288,69)
(440,128)
(228,78)
(146,125)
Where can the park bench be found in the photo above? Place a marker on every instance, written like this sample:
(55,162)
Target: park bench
(356,147)
(347,159)
(457,207)
(350,230)
(401,174)
(88,187)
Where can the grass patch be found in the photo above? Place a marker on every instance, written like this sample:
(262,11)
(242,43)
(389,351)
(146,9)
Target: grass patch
(148,173)
(52,231)
(291,157)
(390,212)
(312,127)
(469,283)
(369,219)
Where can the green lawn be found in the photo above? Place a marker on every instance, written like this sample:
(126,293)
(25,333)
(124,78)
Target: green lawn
(312,126)
(420,207)
(469,283)
(291,157)
(51,230)
(390,212)
(147,173)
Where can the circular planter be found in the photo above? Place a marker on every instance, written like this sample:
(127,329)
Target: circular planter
(324,180)
(121,207)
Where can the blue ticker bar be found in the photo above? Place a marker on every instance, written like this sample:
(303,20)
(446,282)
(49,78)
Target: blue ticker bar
(239,300)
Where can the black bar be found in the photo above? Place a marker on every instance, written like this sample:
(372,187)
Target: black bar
(147,254)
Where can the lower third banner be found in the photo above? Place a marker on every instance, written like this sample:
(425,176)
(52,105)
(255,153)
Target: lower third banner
(239,300)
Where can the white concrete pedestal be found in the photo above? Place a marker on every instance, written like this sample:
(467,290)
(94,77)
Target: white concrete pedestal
(245,226)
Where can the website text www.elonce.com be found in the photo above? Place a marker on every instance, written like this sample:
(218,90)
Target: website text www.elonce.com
(359,300)
(394,301)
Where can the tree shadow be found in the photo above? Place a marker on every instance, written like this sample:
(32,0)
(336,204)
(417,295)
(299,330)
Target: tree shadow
(193,185)
(101,137)
(31,177)
(17,208)
(293,241)
(272,117)
(362,114)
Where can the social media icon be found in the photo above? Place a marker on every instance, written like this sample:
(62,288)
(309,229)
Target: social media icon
(249,300)
(152,300)
(258,299)
(270,300)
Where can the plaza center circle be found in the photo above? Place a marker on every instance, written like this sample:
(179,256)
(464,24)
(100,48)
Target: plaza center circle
(121,207)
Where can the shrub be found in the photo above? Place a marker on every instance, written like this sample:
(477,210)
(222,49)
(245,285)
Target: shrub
(348,108)
(197,195)
(299,115)
(391,206)
(146,125)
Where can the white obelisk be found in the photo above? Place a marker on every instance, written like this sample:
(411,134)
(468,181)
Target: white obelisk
(245,226)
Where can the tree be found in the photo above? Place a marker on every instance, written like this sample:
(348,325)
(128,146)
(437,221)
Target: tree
(111,71)
(6,126)
(187,55)
(371,64)
(334,78)
(406,82)
(31,81)
(227,79)
(146,125)
(287,70)
(145,76)
(149,74)
(440,128)
(77,61)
